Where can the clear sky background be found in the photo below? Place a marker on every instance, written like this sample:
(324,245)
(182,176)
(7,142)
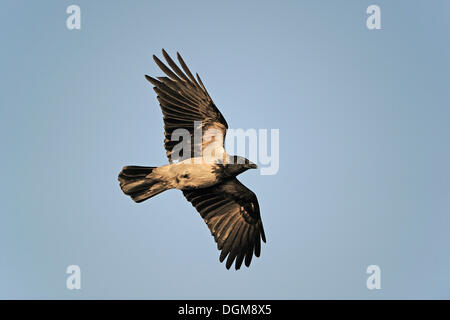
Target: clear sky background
(364,120)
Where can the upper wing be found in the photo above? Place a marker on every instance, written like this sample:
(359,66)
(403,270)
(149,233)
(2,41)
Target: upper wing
(183,100)
(231,212)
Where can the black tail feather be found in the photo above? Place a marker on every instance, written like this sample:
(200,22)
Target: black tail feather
(135,171)
(138,183)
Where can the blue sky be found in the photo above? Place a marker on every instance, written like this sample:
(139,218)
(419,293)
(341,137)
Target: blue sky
(364,158)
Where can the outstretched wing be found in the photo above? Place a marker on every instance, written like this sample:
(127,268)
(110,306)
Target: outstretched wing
(183,101)
(231,212)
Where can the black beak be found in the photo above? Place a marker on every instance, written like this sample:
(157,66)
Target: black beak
(252,165)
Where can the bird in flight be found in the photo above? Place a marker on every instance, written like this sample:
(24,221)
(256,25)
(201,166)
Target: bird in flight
(201,168)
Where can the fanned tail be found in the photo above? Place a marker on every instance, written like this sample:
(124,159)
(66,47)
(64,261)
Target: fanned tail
(139,184)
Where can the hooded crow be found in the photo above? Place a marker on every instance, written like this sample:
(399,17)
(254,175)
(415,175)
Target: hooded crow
(201,169)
